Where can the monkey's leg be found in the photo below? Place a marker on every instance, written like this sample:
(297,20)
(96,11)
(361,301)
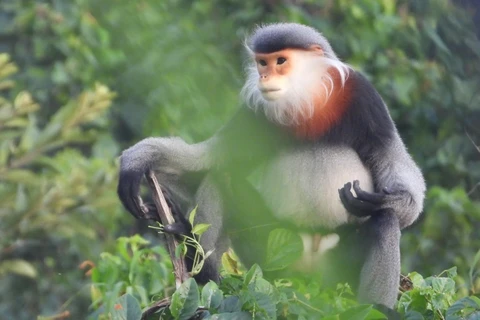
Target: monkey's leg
(210,210)
(248,220)
(380,273)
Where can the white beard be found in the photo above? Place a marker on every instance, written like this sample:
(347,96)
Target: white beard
(308,81)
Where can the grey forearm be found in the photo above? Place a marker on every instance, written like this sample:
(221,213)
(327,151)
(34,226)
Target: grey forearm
(167,155)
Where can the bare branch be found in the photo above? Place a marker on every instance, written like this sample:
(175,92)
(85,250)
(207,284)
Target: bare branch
(166,217)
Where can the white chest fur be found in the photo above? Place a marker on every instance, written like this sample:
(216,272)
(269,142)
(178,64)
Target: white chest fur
(302,185)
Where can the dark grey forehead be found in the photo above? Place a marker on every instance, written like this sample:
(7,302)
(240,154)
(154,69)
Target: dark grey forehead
(275,37)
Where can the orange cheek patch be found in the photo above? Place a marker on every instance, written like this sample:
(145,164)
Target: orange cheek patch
(326,115)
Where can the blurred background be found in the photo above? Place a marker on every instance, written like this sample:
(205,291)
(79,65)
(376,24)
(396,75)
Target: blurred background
(84,79)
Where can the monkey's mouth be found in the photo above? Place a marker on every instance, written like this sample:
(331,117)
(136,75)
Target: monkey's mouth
(268,90)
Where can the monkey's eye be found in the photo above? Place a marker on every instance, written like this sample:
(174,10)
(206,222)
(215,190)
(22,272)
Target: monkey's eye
(281,60)
(262,62)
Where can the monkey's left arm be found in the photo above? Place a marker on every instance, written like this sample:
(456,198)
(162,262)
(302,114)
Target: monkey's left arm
(399,186)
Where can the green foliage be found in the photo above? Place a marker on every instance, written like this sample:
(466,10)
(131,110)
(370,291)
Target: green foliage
(60,47)
(193,242)
(434,298)
(53,198)
(284,247)
(176,66)
(236,297)
(252,296)
(133,268)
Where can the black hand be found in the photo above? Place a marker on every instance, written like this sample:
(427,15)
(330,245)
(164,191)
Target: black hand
(364,204)
(129,192)
(178,228)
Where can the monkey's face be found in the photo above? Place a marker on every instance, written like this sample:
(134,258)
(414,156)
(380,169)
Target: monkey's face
(273,71)
(289,83)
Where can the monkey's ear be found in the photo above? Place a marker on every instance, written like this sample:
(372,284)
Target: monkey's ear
(316,49)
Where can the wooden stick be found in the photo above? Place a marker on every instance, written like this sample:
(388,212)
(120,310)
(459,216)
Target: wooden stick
(166,217)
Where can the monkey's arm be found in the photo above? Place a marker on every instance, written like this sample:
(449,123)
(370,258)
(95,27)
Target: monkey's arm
(398,182)
(236,148)
(166,156)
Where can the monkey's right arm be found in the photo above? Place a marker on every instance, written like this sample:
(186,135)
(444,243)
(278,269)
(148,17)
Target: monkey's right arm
(237,148)
(167,157)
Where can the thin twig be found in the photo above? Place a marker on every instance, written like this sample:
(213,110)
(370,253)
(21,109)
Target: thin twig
(166,218)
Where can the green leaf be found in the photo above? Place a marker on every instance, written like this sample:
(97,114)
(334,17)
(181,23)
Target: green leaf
(126,307)
(444,285)
(262,285)
(200,228)
(452,272)
(212,296)
(180,250)
(18,266)
(185,300)
(266,304)
(231,304)
(463,307)
(191,217)
(254,273)
(284,248)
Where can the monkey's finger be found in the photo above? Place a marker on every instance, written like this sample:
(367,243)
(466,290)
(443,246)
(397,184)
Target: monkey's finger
(355,206)
(150,211)
(128,189)
(375,198)
(356,203)
(347,204)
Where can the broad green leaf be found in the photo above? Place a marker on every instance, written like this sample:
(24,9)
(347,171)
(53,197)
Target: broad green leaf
(231,304)
(254,273)
(262,285)
(417,280)
(212,296)
(200,228)
(284,248)
(230,263)
(126,307)
(266,304)
(452,272)
(444,285)
(18,266)
(185,300)
(463,307)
